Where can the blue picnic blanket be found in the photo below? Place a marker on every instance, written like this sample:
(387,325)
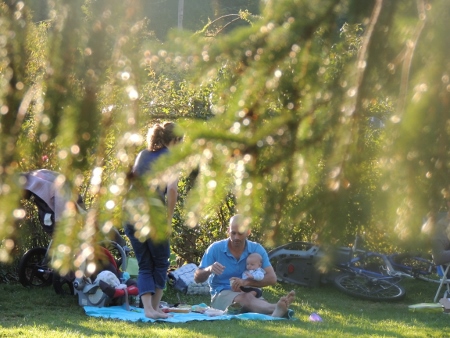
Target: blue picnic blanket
(137,314)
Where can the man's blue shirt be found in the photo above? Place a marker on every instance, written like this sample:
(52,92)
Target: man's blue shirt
(219,252)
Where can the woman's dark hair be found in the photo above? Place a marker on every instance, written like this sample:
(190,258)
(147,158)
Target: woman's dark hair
(160,135)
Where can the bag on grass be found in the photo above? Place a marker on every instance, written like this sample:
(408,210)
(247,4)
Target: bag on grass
(182,279)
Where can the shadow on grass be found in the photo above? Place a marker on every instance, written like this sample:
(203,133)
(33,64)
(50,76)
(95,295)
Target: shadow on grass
(377,318)
(36,312)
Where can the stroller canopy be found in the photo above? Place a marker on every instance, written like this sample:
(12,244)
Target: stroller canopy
(49,186)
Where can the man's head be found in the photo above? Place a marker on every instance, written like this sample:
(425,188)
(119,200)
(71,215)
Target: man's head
(238,230)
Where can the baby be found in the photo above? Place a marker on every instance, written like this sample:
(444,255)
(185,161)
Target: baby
(254,272)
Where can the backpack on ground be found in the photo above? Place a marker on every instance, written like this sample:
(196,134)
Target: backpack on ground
(182,279)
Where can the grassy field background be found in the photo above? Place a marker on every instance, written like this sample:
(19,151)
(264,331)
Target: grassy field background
(42,313)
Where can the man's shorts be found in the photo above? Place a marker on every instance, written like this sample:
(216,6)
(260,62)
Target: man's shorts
(223,299)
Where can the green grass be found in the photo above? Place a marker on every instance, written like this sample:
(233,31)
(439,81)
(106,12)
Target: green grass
(43,313)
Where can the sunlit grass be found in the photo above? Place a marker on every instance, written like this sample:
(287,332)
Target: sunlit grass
(42,313)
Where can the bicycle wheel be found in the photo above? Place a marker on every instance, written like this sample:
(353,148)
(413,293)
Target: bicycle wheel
(364,287)
(33,269)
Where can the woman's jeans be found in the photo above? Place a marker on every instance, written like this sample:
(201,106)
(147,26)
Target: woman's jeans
(153,261)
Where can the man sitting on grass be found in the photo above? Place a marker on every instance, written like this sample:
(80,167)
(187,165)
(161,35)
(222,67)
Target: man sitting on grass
(223,264)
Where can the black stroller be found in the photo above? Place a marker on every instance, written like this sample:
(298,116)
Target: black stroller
(45,190)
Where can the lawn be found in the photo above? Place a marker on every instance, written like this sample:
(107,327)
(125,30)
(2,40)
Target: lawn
(43,313)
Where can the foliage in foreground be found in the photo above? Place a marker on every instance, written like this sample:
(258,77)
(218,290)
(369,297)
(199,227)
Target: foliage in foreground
(292,114)
(291,95)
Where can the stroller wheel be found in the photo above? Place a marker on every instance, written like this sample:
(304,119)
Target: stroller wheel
(63,285)
(33,268)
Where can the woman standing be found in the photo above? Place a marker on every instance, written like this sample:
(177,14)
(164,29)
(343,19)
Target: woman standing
(153,257)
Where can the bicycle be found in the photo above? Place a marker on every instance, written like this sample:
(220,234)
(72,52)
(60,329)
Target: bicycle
(358,273)
(369,275)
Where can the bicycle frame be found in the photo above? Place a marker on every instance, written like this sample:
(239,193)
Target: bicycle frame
(365,258)
(395,269)
(358,265)
(410,271)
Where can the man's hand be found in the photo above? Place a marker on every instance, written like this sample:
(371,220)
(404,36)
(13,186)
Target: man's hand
(216,268)
(270,278)
(201,275)
(236,283)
